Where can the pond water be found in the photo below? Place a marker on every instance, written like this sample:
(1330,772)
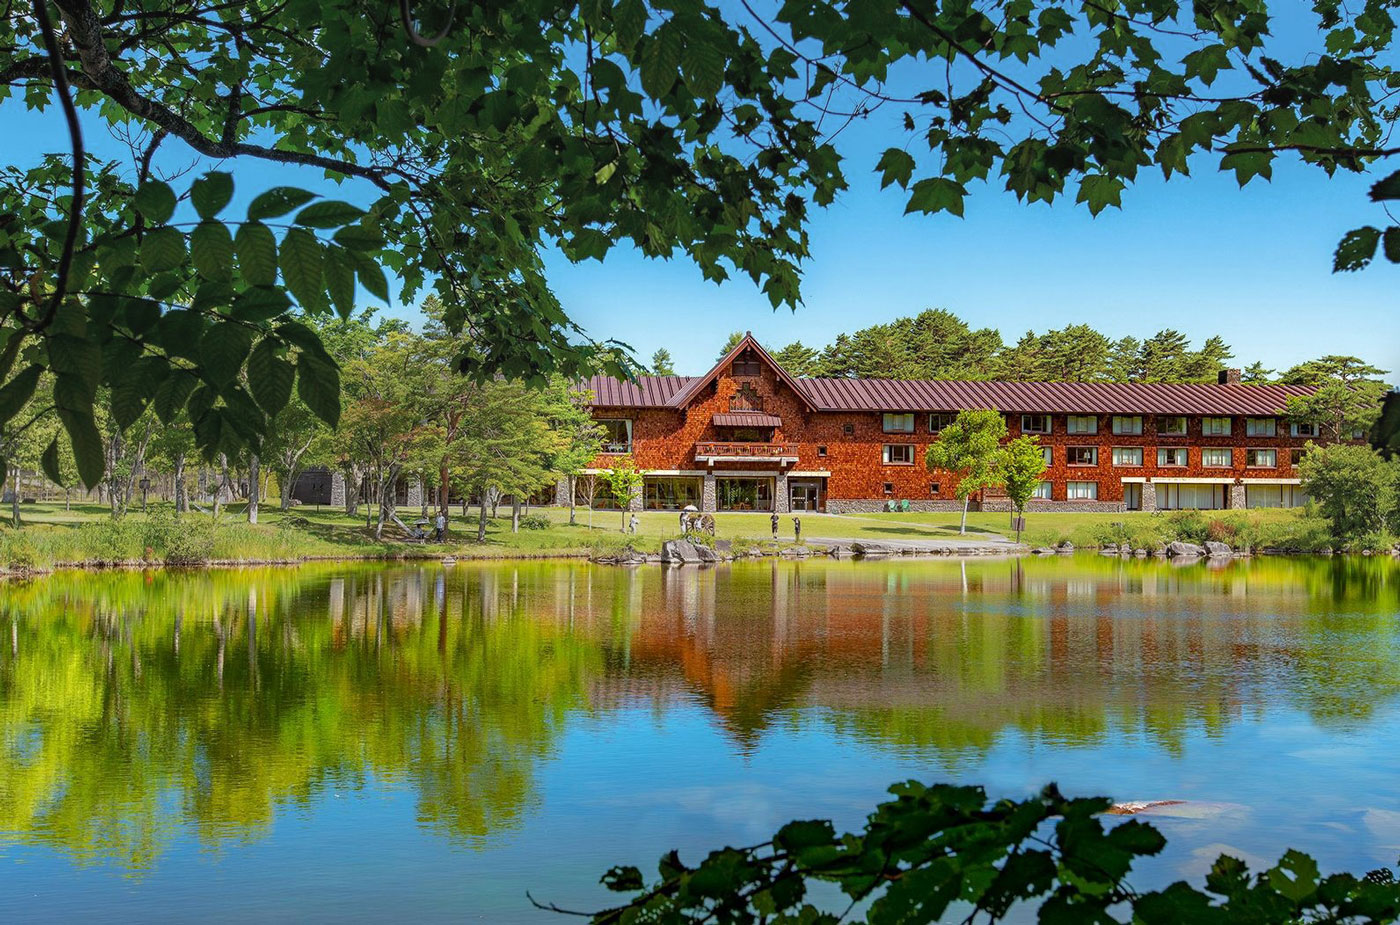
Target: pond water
(339,742)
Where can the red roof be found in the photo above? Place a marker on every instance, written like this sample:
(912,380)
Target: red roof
(747,419)
(931,395)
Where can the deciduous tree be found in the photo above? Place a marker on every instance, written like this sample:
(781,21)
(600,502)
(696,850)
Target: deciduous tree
(969,450)
(1020,466)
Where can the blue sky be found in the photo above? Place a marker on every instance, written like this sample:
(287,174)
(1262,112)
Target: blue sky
(1200,255)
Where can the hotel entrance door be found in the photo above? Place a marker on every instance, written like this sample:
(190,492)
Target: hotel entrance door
(804,495)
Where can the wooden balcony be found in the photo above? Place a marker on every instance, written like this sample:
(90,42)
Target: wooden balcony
(746,452)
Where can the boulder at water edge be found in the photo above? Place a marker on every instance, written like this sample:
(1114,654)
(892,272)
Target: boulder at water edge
(1180,550)
(1218,550)
(680,551)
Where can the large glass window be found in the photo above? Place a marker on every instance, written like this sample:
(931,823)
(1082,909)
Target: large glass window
(1304,430)
(670,494)
(1261,459)
(899,454)
(1047,453)
(1082,424)
(1127,424)
(1035,423)
(1171,456)
(1042,491)
(1127,456)
(736,494)
(1260,427)
(899,423)
(1082,491)
(617,435)
(603,498)
(1172,496)
(1171,426)
(1083,456)
(1215,427)
(1217,458)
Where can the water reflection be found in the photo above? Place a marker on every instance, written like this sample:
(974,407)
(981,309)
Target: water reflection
(139,708)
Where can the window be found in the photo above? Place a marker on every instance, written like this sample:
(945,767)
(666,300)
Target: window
(1127,423)
(1358,434)
(1305,430)
(1217,458)
(821,451)
(1082,491)
(1035,423)
(1082,424)
(933,489)
(1261,459)
(670,494)
(1127,456)
(746,366)
(1215,427)
(617,435)
(1295,457)
(1083,456)
(899,454)
(1171,456)
(736,494)
(848,429)
(1171,426)
(936,422)
(1042,491)
(899,423)
(1048,454)
(1260,427)
(889,488)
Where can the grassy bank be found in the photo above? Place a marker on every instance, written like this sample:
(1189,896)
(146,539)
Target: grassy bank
(54,536)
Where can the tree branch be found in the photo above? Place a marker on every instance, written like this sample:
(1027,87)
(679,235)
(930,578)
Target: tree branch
(75,135)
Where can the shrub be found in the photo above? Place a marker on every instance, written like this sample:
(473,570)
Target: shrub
(535,522)
(17,552)
(115,541)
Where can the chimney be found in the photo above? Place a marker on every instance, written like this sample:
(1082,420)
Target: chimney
(1229,377)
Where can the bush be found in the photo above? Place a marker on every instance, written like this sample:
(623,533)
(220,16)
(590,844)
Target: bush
(535,522)
(115,541)
(17,552)
(186,540)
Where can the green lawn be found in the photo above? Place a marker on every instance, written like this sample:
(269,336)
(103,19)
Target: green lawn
(53,534)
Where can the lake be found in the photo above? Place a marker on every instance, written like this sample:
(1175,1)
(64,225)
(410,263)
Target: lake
(336,742)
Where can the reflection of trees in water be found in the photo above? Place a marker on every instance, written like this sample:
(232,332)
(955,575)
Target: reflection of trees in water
(128,705)
(134,707)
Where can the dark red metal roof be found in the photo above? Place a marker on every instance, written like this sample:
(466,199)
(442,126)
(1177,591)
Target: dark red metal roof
(1027,397)
(646,392)
(747,419)
(1049,397)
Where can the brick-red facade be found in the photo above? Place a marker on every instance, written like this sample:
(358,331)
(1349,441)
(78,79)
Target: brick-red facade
(845,449)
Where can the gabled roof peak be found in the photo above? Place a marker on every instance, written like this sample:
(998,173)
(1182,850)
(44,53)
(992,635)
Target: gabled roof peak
(683,397)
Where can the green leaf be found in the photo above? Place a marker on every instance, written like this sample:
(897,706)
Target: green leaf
(318,385)
(270,377)
(301,269)
(222,350)
(49,463)
(277,201)
(1295,876)
(13,342)
(77,357)
(359,237)
(702,66)
(87,444)
(1207,62)
(15,394)
(660,61)
(1387,189)
(1356,249)
(936,194)
(261,303)
(171,395)
(371,276)
(1100,191)
(257,254)
(1390,241)
(329,213)
(896,166)
(211,192)
(211,250)
(156,202)
(340,280)
(629,22)
(162,249)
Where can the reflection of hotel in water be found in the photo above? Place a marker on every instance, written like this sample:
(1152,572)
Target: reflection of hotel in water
(935,654)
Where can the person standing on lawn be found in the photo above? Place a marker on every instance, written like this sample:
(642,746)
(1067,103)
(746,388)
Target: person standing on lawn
(440,528)
(796,529)
(775,526)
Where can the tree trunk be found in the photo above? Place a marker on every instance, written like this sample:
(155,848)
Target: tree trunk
(352,490)
(962,528)
(444,489)
(14,499)
(182,502)
(254,488)
(495,494)
(481,521)
(514,514)
(570,481)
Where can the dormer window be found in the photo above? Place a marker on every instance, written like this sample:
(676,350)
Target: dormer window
(746,366)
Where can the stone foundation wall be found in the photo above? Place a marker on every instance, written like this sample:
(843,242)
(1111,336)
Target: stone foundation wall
(1003,506)
(874,506)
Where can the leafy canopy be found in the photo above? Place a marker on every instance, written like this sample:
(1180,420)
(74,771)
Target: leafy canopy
(697,129)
